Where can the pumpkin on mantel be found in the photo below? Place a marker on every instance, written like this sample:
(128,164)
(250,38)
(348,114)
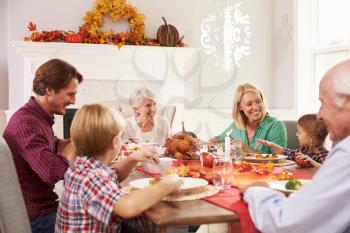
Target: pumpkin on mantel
(167,35)
(73,38)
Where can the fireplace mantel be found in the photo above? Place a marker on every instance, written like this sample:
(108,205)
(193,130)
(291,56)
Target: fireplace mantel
(108,62)
(118,63)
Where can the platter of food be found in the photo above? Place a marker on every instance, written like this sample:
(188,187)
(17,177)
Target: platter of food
(263,158)
(289,186)
(188,183)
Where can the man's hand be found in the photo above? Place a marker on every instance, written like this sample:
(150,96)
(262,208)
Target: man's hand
(66,148)
(254,184)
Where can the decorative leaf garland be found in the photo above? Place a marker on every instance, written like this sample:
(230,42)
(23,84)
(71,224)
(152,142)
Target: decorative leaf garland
(91,30)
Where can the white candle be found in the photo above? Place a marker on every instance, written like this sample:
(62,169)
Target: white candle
(227,146)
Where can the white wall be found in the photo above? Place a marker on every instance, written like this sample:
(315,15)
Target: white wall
(264,66)
(3,55)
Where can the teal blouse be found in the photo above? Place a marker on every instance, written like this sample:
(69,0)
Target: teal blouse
(270,129)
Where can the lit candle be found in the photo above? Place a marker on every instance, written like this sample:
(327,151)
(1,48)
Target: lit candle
(227,145)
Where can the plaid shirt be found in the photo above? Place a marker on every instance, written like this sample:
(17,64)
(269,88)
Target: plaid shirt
(90,193)
(319,154)
(32,143)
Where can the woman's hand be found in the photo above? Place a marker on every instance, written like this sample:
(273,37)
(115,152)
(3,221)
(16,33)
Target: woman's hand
(147,154)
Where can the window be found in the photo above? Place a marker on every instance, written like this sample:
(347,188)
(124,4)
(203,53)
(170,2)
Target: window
(333,23)
(333,37)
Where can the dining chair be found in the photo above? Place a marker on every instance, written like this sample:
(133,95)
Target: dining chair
(13,213)
(292,139)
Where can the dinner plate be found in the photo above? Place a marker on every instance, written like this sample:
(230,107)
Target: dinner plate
(281,185)
(253,159)
(188,183)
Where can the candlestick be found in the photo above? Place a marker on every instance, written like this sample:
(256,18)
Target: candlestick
(227,147)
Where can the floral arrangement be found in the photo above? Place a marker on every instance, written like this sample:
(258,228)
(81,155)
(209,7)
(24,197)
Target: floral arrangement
(90,32)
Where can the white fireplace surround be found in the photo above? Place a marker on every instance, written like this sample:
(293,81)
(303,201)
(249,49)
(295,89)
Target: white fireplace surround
(109,72)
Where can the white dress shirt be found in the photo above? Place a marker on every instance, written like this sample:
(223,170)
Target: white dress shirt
(159,133)
(323,206)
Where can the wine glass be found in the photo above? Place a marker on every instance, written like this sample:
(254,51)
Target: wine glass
(223,173)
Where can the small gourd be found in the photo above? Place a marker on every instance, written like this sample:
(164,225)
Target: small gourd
(167,35)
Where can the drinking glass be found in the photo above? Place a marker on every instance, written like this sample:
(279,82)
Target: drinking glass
(236,152)
(223,173)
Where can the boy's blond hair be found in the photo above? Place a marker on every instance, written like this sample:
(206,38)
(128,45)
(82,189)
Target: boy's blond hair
(238,116)
(93,128)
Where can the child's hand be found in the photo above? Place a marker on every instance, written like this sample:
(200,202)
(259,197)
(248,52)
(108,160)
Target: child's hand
(171,182)
(263,142)
(302,156)
(147,154)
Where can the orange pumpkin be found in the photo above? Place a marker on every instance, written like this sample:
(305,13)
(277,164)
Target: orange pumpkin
(73,38)
(167,35)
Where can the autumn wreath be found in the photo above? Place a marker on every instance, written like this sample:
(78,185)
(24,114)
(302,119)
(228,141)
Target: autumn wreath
(117,10)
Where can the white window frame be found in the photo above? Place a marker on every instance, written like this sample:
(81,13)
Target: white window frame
(307,73)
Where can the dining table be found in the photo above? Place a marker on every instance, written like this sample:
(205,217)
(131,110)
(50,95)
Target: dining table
(167,214)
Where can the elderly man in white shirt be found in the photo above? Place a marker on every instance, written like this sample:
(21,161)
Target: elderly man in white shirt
(324,205)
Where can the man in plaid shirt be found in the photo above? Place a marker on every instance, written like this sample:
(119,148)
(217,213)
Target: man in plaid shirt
(40,158)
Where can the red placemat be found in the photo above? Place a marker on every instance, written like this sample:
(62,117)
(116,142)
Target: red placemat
(232,200)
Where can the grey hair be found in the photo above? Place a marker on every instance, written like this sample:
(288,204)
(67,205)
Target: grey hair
(341,88)
(138,96)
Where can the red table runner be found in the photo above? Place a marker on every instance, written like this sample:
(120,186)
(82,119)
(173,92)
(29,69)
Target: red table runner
(232,200)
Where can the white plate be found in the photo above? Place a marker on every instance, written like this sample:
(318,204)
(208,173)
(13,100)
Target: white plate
(253,159)
(281,185)
(188,183)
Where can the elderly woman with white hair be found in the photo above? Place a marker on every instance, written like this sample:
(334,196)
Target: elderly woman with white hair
(145,125)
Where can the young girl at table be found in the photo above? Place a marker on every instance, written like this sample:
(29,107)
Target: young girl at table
(311,135)
(92,200)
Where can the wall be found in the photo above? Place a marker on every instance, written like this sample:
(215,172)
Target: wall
(283,55)
(208,84)
(3,55)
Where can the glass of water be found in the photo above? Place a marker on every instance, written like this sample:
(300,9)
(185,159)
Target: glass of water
(236,152)
(223,173)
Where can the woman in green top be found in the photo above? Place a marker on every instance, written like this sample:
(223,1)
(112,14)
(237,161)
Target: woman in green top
(251,121)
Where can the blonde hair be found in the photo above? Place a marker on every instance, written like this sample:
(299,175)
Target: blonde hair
(138,96)
(238,116)
(93,128)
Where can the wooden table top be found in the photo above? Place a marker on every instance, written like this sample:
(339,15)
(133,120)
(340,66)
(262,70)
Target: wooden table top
(181,213)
